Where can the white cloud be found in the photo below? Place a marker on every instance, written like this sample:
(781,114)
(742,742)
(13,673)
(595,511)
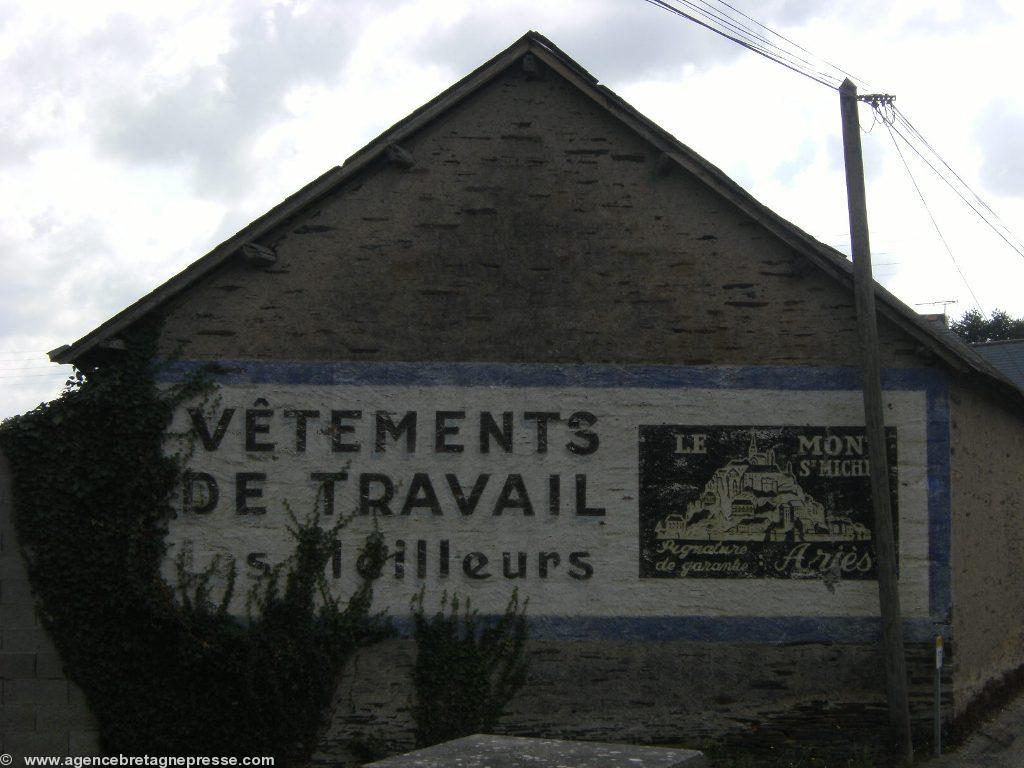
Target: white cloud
(134,137)
(208,118)
(1001,136)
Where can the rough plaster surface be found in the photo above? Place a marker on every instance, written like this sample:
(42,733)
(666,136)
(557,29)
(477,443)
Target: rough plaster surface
(42,713)
(987,444)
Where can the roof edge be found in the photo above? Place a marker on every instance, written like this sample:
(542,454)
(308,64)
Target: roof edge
(71,353)
(996,342)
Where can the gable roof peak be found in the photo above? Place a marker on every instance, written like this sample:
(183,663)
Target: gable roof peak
(954,354)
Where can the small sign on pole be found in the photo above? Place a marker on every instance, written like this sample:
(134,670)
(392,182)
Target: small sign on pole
(937,732)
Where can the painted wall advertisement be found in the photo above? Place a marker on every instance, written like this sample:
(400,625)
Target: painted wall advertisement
(595,492)
(748,501)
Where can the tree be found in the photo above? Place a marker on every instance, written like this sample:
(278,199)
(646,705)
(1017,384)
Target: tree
(974,326)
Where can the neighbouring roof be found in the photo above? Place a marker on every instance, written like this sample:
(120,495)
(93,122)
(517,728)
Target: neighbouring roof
(1006,356)
(943,345)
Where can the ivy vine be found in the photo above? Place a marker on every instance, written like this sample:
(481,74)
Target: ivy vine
(166,668)
(467,668)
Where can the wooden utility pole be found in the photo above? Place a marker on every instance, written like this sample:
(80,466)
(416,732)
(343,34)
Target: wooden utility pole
(885,548)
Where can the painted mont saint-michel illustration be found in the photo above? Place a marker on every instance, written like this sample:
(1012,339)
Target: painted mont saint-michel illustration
(753,498)
(757,501)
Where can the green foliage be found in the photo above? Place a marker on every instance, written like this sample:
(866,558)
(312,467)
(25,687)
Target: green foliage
(974,327)
(467,669)
(163,670)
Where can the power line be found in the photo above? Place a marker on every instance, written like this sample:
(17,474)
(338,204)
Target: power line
(721,22)
(782,37)
(767,51)
(884,108)
(702,7)
(992,219)
(935,224)
(906,122)
(811,67)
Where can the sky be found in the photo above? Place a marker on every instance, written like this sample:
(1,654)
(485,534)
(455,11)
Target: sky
(135,136)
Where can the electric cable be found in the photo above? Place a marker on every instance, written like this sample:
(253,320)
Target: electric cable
(862,83)
(995,222)
(722,23)
(931,216)
(1000,229)
(817,77)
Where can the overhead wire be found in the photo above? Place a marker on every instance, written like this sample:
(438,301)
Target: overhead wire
(769,52)
(723,20)
(931,216)
(899,115)
(962,189)
(996,226)
(790,55)
(769,49)
(860,81)
(703,8)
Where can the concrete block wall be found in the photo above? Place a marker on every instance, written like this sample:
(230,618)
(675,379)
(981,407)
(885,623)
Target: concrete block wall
(41,711)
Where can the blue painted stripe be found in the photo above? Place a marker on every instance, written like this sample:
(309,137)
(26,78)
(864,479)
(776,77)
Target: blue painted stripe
(940,596)
(717,629)
(545,375)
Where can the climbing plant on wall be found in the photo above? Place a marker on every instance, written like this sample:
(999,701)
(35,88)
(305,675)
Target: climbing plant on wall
(167,669)
(467,668)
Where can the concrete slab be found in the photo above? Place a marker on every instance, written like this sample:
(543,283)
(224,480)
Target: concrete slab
(486,751)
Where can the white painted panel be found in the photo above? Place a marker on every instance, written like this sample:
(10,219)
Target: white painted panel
(612,586)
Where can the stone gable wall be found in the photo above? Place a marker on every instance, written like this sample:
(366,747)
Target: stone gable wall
(534,227)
